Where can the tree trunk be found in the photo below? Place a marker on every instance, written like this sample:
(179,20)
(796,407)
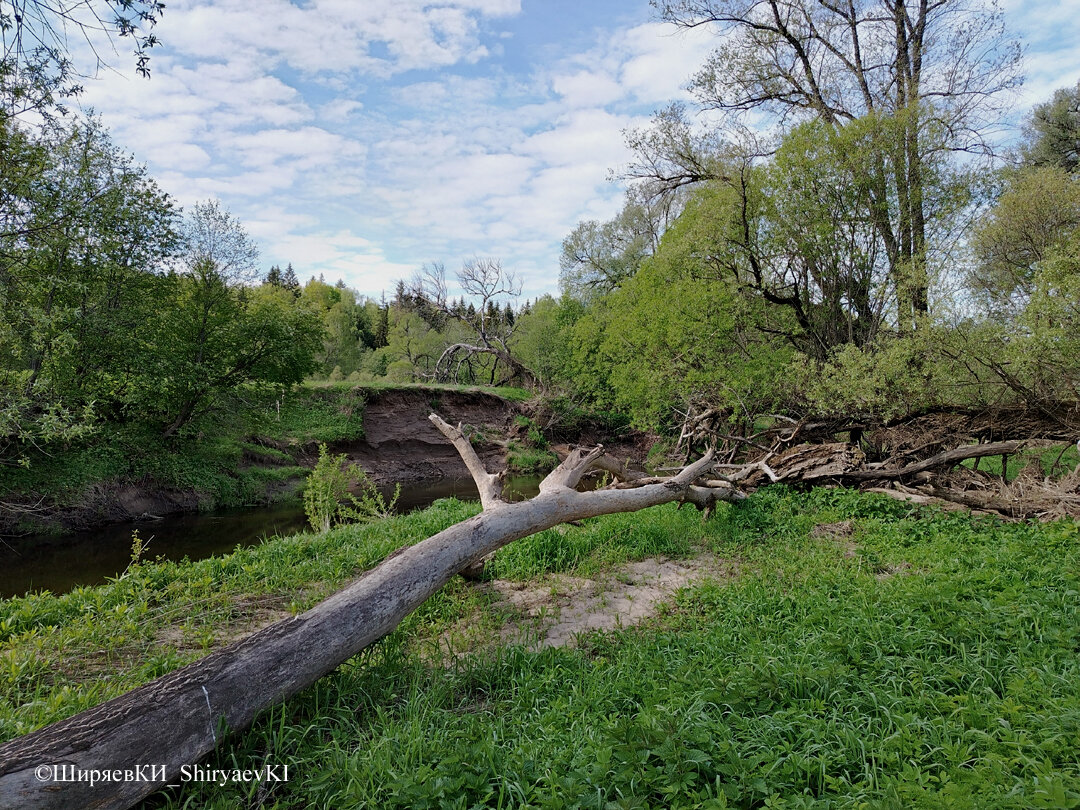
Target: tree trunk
(180,717)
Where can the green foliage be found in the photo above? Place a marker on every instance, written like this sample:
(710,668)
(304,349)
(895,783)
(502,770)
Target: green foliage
(897,376)
(523,459)
(599,257)
(326,487)
(672,334)
(83,227)
(1053,462)
(214,339)
(1053,132)
(138,548)
(330,495)
(540,339)
(94,337)
(1034,219)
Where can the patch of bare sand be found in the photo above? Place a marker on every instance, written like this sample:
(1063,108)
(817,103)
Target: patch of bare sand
(555,610)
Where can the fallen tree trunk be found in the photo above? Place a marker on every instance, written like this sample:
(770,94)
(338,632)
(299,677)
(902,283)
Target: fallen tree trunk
(179,718)
(945,459)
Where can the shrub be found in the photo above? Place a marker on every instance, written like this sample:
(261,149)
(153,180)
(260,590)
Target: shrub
(329,498)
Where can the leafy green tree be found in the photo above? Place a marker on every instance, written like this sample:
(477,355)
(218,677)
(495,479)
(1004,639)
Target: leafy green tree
(347,329)
(84,231)
(598,257)
(675,336)
(413,347)
(1034,218)
(215,341)
(930,74)
(1053,132)
(542,340)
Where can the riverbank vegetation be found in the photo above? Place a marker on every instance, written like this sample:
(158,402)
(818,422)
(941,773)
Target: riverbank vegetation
(861,650)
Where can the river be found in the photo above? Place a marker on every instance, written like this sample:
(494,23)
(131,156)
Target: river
(59,563)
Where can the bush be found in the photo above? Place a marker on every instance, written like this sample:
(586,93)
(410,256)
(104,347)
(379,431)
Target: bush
(329,499)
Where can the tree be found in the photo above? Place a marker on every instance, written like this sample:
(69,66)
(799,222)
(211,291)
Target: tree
(35,32)
(289,280)
(598,257)
(213,237)
(382,326)
(213,338)
(82,232)
(1034,218)
(486,280)
(1053,132)
(274,276)
(540,341)
(927,73)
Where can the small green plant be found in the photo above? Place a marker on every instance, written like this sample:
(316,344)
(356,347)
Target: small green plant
(326,487)
(330,496)
(138,548)
(367,503)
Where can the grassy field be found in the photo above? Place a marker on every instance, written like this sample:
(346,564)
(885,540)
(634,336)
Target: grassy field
(864,655)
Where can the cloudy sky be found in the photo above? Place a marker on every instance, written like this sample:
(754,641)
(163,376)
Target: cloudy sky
(359,139)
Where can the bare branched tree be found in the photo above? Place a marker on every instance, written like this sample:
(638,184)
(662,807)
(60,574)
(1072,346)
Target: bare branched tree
(485,281)
(36,33)
(929,76)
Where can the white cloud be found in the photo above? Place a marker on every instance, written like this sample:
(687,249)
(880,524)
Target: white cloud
(361,139)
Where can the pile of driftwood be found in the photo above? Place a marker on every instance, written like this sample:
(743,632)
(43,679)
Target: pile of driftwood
(181,717)
(915,459)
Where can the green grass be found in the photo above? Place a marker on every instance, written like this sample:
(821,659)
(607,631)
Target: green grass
(521,459)
(62,653)
(1054,461)
(208,466)
(317,413)
(926,660)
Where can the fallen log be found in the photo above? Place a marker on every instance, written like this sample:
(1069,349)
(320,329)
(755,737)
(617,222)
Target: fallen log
(945,459)
(179,718)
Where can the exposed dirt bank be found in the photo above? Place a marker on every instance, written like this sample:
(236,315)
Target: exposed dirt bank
(400,444)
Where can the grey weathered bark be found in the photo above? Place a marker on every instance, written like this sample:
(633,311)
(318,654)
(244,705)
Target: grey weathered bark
(180,717)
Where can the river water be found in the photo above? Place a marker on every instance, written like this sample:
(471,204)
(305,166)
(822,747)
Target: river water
(59,563)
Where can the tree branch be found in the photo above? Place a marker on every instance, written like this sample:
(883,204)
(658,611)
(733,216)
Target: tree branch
(488,484)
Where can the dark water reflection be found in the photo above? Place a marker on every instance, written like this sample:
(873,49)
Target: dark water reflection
(60,563)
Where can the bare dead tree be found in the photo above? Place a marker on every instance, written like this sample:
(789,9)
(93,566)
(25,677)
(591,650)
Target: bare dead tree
(486,281)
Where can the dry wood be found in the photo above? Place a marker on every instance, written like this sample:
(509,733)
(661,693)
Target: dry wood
(179,718)
(945,459)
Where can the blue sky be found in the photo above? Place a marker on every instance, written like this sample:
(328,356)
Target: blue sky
(359,139)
